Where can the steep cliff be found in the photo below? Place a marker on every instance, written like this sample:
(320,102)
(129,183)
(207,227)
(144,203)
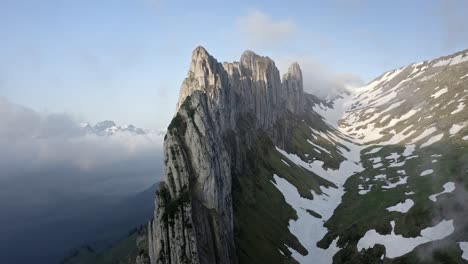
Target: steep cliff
(222,111)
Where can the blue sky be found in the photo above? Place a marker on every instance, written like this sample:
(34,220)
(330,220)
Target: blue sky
(125,60)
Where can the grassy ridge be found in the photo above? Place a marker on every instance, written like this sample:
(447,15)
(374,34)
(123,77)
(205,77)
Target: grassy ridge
(124,251)
(359,213)
(261,214)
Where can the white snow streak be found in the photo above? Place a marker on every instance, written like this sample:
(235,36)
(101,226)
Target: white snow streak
(425,133)
(374,150)
(426,172)
(397,245)
(432,140)
(456,128)
(448,187)
(460,107)
(464,246)
(439,93)
(403,207)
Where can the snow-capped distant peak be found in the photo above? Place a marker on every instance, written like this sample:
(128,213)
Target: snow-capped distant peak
(107,128)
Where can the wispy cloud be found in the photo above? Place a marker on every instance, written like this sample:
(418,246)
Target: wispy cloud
(261,30)
(319,79)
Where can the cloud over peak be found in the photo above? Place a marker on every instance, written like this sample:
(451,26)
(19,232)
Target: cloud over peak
(319,79)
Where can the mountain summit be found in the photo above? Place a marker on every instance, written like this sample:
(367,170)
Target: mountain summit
(257,171)
(223,111)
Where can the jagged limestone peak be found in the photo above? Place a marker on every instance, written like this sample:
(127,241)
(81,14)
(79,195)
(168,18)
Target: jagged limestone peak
(293,88)
(194,213)
(257,66)
(295,70)
(294,74)
(203,74)
(201,60)
(200,50)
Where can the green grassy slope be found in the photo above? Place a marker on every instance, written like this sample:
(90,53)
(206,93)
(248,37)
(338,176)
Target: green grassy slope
(124,251)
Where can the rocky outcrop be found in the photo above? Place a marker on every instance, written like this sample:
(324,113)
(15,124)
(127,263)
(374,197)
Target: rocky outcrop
(293,89)
(220,107)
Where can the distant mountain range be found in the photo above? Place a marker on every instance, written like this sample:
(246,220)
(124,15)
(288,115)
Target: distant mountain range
(107,128)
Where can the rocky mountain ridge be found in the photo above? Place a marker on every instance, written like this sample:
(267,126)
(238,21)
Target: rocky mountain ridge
(258,171)
(213,99)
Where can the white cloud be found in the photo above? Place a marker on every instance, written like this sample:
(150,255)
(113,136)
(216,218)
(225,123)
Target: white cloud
(319,79)
(54,172)
(260,30)
(32,141)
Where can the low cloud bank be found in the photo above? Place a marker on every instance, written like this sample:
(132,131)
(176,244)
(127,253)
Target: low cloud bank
(30,141)
(61,180)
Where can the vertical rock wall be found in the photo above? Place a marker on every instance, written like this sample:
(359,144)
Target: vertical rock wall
(193,220)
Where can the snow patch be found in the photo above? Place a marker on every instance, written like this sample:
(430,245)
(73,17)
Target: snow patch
(456,128)
(393,156)
(384,118)
(398,245)
(426,172)
(377,165)
(439,93)
(401,181)
(374,150)
(380,176)
(432,140)
(425,133)
(398,164)
(307,228)
(464,245)
(365,191)
(459,59)
(409,149)
(460,107)
(403,207)
(319,147)
(407,115)
(448,188)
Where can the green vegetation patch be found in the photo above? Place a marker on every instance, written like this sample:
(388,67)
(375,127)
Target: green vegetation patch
(302,132)
(261,213)
(124,251)
(172,205)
